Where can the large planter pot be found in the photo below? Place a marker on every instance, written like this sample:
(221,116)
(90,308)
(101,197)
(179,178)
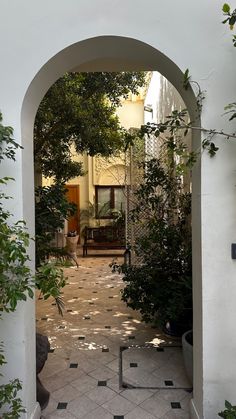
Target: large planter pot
(187,346)
(71,244)
(176,328)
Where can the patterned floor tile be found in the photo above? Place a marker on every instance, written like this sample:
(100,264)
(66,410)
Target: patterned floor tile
(136,396)
(101,395)
(158,407)
(139,413)
(119,405)
(81,406)
(94,282)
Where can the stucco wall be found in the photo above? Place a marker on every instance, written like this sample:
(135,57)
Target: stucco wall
(190,35)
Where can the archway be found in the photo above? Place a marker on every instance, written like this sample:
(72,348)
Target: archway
(110,53)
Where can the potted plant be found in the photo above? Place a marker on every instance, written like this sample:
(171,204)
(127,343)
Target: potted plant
(160,287)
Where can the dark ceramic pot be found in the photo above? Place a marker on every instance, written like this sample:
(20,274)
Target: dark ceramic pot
(187,347)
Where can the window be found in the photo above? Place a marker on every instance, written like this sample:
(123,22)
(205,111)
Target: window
(108,200)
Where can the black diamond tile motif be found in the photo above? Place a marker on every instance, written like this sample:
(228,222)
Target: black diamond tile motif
(51,351)
(160,349)
(87,317)
(133,364)
(107,327)
(61,327)
(81,337)
(54,304)
(175,405)
(131,337)
(69,311)
(62,405)
(91,303)
(105,349)
(119,417)
(73,365)
(169,383)
(102,383)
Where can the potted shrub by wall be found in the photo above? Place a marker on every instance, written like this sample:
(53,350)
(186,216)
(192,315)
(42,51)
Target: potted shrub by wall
(160,287)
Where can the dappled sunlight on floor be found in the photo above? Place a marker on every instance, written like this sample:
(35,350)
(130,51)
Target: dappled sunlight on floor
(83,369)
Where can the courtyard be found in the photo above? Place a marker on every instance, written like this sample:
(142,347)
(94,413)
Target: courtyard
(105,363)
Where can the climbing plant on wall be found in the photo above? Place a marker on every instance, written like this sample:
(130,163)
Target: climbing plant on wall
(15,276)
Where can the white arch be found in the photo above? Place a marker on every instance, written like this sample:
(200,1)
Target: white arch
(102,53)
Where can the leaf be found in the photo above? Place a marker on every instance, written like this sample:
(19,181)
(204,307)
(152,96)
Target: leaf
(228,405)
(226,8)
(232,117)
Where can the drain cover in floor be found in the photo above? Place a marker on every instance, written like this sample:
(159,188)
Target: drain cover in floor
(153,368)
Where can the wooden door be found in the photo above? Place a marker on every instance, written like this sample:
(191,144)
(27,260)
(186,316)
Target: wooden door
(73,196)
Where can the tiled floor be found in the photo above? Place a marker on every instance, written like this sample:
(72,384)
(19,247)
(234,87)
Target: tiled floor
(82,373)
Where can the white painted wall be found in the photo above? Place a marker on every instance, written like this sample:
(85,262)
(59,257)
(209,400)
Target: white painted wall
(39,42)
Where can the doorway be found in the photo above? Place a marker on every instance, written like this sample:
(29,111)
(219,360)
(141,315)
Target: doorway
(73,196)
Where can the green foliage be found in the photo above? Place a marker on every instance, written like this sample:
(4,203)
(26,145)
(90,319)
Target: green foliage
(187,78)
(170,135)
(79,111)
(229,412)
(230,19)
(51,210)
(161,285)
(50,280)
(15,276)
(231,109)
(8,398)
(210,147)
(8,146)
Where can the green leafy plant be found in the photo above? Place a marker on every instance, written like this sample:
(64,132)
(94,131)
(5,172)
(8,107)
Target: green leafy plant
(229,412)
(160,286)
(51,210)
(78,112)
(16,279)
(10,405)
(50,280)
(15,276)
(230,19)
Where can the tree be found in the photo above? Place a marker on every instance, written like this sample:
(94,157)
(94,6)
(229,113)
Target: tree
(79,111)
